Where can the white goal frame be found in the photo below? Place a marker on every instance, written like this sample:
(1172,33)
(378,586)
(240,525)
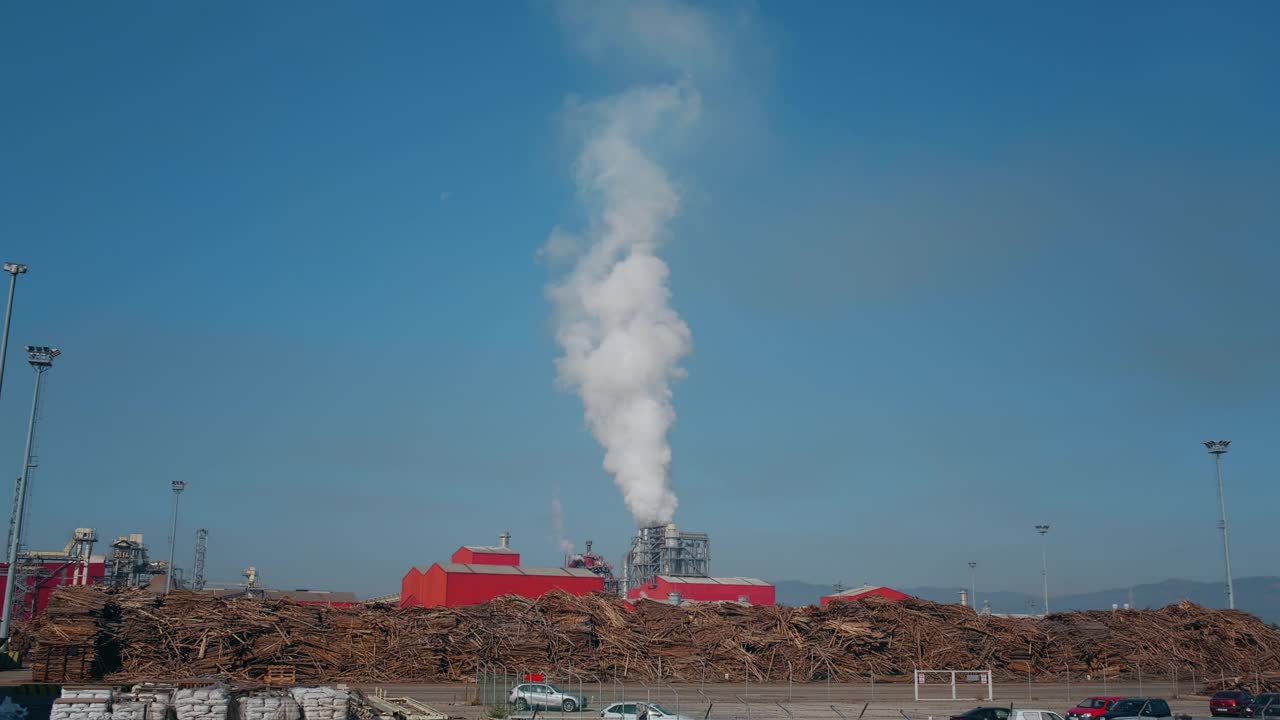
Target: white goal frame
(919,678)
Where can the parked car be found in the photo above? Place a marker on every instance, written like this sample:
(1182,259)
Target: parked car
(1266,704)
(1092,707)
(545,695)
(630,710)
(1230,703)
(1138,707)
(1034,715)
(984,713)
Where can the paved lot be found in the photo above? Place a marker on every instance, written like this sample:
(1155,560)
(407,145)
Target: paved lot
(780,701)
(817,700)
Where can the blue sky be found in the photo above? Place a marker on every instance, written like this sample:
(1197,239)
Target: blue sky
(951,271)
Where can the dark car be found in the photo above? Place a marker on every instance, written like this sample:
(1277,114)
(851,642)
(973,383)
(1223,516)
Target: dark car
(1264,705)
(1230,703)
(984,713)
(1144,707)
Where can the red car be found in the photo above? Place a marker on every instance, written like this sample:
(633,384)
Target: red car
(1092,707)
(1231,702)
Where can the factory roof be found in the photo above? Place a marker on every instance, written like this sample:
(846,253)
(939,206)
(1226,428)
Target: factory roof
(312,596)
(863,591)
(490,549)
(516,570)
(712,580)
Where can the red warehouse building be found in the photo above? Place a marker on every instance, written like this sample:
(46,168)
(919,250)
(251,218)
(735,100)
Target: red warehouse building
(865,591)
(52,575)
(481,573)
(705,589)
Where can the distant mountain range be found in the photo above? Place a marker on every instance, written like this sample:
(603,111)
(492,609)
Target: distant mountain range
(1257,595)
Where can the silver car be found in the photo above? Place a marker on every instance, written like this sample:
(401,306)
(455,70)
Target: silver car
(545,695)
(631,711)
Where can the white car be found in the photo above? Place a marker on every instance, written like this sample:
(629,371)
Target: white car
(1034,715)
(630,710)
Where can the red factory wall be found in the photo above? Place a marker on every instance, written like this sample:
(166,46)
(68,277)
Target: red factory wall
(467,556)
(437,587)
(707,592)
(883,592)
(409,588)
(61,575)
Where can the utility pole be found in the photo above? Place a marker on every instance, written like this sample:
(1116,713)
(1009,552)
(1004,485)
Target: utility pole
(178,486)
(1044,563)
(14,270)
(1218,448)
(973,586)
(41,359)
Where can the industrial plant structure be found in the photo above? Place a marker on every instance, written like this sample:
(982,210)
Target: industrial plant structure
(595,562)
(130,564)
(478,574)
(670,565)
(664,550)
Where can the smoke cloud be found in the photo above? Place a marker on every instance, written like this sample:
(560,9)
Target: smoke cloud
(622,341)
(557,527)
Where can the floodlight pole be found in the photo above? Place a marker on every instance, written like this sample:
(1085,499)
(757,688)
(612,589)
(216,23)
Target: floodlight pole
(41,359)
(1044,563)
(178,486)
(14,270)
(1218,448)
(973,586)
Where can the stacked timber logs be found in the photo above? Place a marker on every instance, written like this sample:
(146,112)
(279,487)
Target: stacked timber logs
(193,635)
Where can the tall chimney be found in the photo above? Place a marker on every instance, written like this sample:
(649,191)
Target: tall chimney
(504,540)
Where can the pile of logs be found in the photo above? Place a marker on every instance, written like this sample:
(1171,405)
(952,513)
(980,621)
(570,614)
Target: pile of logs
(139,636)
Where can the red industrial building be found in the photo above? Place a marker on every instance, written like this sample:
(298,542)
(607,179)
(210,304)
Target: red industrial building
(478,574)
(666,588)
(50,575)
(865,591)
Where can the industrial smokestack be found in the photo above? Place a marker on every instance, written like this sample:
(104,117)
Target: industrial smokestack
(504,540)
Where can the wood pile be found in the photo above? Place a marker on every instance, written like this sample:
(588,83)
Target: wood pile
(140,636)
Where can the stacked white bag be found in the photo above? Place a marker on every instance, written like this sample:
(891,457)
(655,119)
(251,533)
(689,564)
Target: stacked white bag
(82,704)
(142,704)
(128,707)
(322,703)
(202,703)
(268,705)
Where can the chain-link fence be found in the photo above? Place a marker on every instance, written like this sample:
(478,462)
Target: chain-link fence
(869,698)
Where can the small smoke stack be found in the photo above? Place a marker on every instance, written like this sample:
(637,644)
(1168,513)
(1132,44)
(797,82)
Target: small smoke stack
(504,540)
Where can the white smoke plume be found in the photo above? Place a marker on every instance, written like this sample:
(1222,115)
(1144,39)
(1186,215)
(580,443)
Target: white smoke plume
(622,340)
(557,527)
